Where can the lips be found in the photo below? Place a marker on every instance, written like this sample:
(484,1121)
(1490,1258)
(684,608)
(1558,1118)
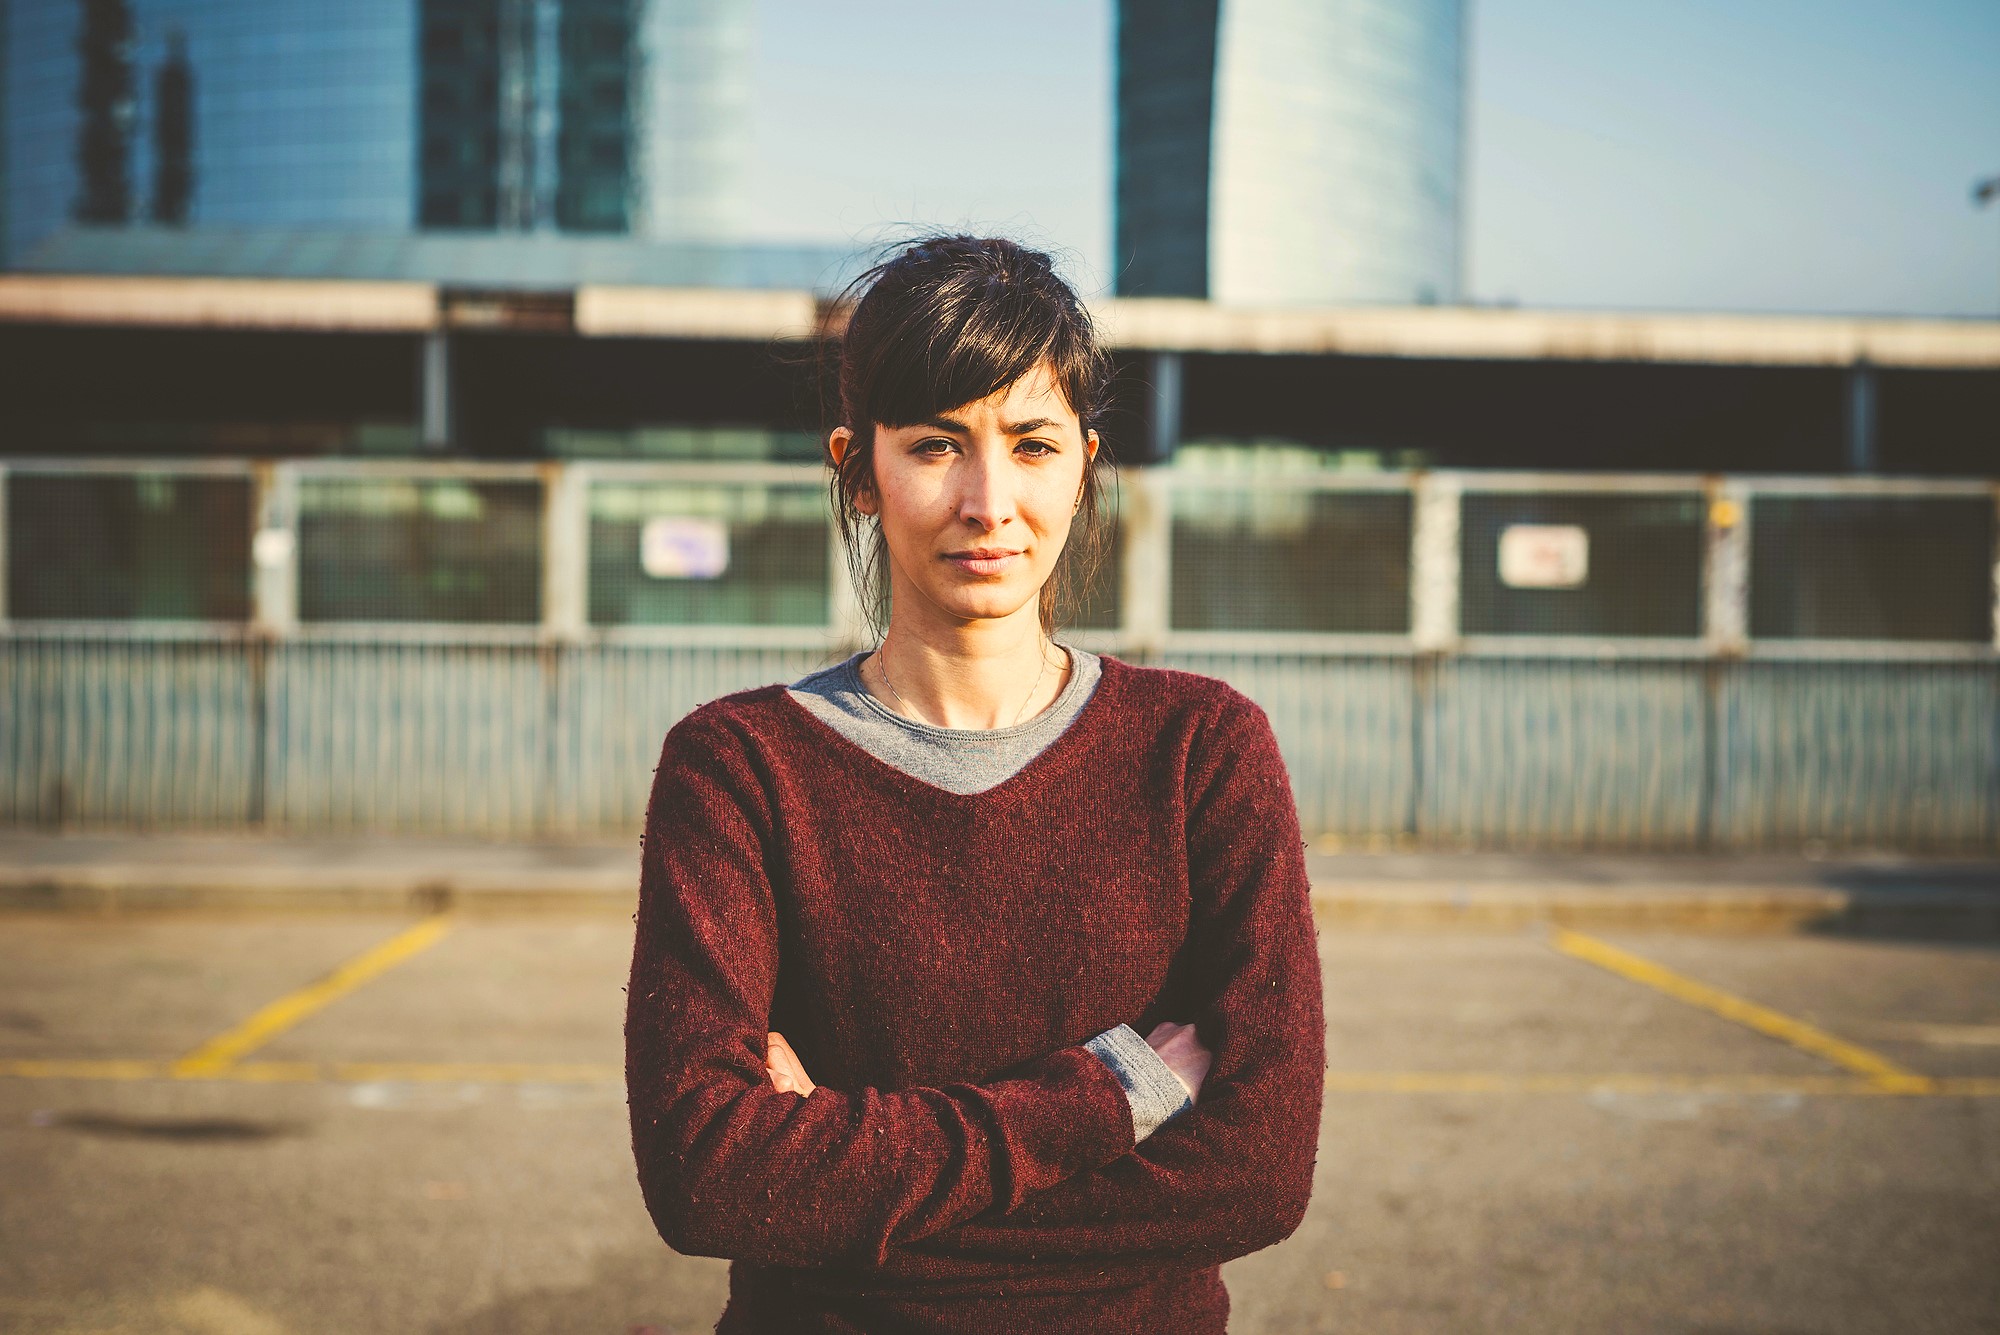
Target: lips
(985,565)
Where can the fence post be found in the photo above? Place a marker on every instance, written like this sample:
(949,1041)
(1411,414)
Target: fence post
(1434,563)
(274,551)
(565,618)
(1146,592)
(274,615)
(1725,631)
(565,552)
(1725,571)
(1435,558)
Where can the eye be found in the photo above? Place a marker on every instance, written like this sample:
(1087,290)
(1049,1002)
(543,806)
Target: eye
(923,447)
(1043,448)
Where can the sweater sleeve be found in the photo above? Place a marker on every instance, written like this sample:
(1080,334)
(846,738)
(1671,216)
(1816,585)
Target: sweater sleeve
(1234,1173)
(1154,1091)
(731,1166)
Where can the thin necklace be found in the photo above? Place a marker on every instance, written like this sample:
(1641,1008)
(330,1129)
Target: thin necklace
(881,666)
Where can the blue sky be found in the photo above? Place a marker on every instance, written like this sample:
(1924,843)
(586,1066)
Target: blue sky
(1754,155)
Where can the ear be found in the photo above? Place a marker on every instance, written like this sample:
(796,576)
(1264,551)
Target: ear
(838,442)
(1089,445)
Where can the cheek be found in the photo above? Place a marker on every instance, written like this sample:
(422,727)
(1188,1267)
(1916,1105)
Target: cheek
(903,503)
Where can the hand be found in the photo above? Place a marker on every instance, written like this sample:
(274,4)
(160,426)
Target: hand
(784,1066)
(1180,1047)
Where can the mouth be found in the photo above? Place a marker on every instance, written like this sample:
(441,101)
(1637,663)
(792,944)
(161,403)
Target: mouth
(985,561)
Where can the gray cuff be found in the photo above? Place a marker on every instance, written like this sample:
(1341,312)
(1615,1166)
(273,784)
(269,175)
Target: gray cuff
(1155,1092)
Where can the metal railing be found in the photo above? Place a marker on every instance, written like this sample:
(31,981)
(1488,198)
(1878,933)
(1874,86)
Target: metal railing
(1449,658)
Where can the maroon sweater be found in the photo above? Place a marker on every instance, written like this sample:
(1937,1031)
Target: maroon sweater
(937,960)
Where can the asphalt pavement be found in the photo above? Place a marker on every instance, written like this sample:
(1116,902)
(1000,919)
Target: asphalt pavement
(295,1124)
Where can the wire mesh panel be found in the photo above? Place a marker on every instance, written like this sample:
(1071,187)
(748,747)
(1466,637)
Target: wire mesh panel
(1275,558)
(709,553)
(1871,567)
(419,549)
(124,546)
(1589,564)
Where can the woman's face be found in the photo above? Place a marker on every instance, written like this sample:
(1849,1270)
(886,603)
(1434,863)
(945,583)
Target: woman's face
(976,504)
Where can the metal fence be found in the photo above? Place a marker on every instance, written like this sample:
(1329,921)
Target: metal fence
(1455,659)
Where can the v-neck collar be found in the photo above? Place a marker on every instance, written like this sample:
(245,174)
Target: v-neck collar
(1077,733)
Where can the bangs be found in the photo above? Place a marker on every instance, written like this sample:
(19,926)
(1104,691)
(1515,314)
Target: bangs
(946,358)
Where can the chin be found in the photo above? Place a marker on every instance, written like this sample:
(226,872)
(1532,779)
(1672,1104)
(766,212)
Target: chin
(990,602)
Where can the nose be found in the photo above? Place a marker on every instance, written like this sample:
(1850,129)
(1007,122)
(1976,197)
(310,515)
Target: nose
(986,488)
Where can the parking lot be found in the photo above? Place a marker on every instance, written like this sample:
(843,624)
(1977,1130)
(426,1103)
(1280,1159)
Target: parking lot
(352,1122)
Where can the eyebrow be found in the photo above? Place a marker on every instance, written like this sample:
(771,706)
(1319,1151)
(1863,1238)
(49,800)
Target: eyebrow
(1009,428)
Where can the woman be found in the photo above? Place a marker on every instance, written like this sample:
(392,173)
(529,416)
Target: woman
(903,922)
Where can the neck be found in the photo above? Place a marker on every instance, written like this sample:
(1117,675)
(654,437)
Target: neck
(1000,674)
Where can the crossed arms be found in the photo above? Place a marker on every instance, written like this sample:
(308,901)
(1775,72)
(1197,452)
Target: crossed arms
(1041,1162)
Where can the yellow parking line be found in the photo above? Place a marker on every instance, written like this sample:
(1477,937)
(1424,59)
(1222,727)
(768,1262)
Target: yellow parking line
(38,1069)
(223,1051)
(1884,1074)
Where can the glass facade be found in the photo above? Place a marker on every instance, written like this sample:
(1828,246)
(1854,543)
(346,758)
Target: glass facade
(296,113)
(1285,152)
(1166,104)
(374,115)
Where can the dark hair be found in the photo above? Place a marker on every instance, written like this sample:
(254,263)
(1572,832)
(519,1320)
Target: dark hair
(945,322)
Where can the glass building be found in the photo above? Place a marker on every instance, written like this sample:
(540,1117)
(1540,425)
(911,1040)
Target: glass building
(602,116)
(1290,152)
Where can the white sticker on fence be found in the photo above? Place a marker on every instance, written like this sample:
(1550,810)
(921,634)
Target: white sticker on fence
(1544,556)
(684,547)
(272,547)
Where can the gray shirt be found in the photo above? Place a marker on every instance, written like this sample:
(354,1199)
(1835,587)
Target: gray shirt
(961,760)
(971,760)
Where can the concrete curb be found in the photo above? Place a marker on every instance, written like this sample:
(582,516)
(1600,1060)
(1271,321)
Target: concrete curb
(102,890)
(115,890)
(1711,908)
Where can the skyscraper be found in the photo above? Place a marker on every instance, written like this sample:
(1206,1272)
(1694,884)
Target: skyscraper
(1276,152)
(592,116)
